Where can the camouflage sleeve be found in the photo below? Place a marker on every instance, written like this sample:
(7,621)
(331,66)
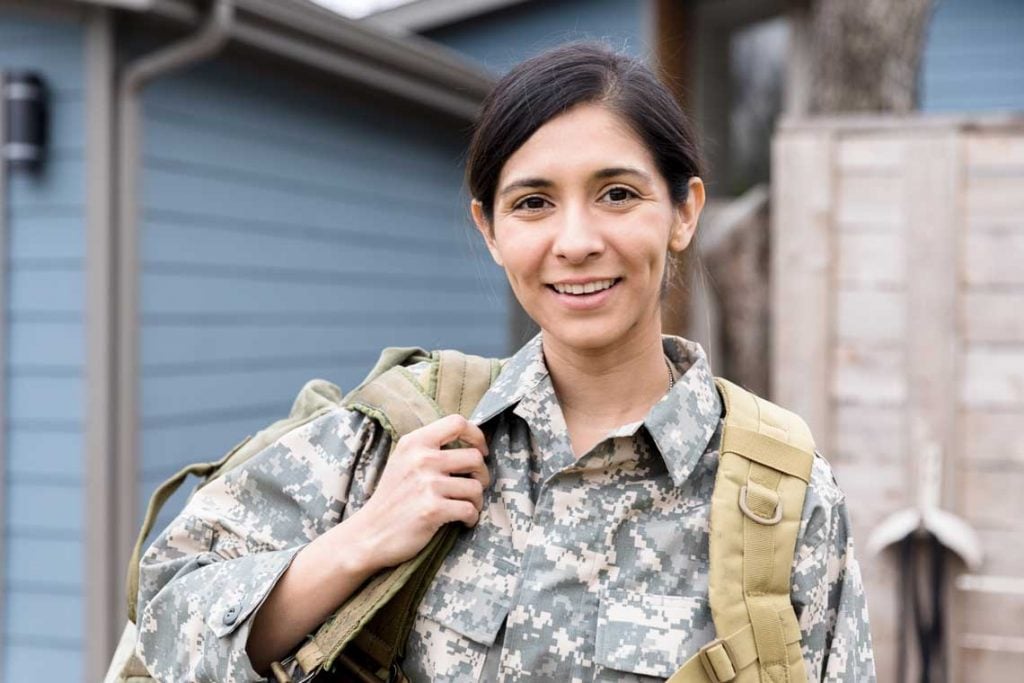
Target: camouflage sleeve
(827,588)
(204,577)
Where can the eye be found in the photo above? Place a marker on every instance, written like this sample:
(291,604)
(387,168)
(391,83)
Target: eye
(620,195)
(531,203)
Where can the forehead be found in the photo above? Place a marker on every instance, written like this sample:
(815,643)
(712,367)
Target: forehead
(586,138)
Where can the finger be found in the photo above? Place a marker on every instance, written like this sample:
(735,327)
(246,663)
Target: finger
(462,511)
(461,488)
(465,461)
(447,429)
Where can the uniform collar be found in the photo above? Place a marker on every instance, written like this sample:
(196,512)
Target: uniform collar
(681,423)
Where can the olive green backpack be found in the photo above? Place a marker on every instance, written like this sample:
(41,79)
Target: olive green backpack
(764,469)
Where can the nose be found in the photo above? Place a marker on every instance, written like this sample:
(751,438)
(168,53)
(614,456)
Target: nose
(577,238)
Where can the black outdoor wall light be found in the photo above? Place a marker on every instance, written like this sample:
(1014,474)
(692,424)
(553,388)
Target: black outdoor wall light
(25,120)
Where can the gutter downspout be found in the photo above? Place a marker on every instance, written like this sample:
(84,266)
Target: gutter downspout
(4,386)
(135,75)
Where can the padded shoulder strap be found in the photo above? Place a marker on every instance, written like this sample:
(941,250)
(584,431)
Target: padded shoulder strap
(376,620)
(462,380)
(764,467)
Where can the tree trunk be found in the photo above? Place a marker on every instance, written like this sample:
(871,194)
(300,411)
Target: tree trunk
(866,54)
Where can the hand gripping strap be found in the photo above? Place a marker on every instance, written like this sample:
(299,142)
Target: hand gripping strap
(764,467)
(366,636)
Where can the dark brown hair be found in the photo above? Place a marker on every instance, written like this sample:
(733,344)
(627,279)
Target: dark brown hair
(542,87)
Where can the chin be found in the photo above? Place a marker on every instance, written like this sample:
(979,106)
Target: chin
(584,335)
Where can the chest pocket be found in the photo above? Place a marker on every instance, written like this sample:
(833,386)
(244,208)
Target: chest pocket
(460,616)
(649,634)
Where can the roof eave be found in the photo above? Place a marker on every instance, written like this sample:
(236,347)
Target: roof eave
(407,67)
(423,15)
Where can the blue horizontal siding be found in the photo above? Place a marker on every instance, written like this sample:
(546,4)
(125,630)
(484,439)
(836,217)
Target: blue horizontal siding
(42,624)
(170,242)
(325,231)
(62,663)
(44,619)
(63,181)
(31,345)
(177,289)
(193,189)
(290,233)
(228,349)
(45,398)
(33,500)
(53,287)
(49,561)
(46,235)
(500,39)
(47,454)
(974,57)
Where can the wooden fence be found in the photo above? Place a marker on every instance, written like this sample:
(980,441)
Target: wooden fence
(898,327)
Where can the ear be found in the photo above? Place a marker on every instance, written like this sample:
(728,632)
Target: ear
(687,215)
(476,208)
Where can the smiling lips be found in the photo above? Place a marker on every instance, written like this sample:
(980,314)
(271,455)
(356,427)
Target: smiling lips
(584,296)
(583,287)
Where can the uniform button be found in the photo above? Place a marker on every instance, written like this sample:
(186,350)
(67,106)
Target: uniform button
(231,615)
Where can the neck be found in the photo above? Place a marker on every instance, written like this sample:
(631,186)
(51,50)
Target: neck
(608,387)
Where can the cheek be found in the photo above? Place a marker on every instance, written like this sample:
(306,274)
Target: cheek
(521,257)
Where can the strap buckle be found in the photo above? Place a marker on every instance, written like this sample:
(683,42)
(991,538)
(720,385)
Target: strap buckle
(717,661)
(284,670)
(766,521)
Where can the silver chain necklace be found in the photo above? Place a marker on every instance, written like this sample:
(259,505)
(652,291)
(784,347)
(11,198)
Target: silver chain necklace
(671,376)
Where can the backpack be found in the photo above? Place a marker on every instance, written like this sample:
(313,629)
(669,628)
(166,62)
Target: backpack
(757,502)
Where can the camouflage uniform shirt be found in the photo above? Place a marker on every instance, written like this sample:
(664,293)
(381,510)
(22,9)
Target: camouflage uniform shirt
(580,569)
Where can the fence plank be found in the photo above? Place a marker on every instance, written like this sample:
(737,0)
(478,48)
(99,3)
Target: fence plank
(994,316)
(802,276)
(871,259)
(995,202)
(995,258)
(994,378)
(867,376)
(993,437)
(994,151)
(933,178)
(871,203)
(870,315)
(870,154)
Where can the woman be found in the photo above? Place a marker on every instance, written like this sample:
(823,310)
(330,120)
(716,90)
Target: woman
(590,462)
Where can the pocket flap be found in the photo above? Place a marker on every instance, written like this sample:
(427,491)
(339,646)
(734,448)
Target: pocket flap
(648,633)
(472,593)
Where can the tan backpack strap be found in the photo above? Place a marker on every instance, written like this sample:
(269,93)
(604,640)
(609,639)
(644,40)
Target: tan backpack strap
(376,620)
(764,468)
(395,399)
(462,381)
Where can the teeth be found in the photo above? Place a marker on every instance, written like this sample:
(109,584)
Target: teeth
(584,289)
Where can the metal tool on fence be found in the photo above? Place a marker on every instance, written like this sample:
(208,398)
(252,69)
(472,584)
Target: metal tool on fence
(925,536)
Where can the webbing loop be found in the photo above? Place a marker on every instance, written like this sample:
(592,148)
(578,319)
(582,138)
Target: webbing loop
(763,500)
(717,661)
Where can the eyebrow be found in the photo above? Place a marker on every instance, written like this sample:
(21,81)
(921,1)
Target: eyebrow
(604,173)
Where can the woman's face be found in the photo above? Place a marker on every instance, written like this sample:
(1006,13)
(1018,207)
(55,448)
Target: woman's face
(582,224)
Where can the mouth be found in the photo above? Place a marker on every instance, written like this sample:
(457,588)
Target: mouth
(585,296)
(584,289)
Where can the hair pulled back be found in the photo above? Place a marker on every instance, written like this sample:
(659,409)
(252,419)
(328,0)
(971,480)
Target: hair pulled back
(549,84)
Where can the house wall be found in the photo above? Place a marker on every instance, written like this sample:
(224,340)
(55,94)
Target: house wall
(500,39)
(974,56)
(291,232)
(43,301)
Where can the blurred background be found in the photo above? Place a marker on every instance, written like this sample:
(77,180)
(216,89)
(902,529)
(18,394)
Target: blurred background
(204,203)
